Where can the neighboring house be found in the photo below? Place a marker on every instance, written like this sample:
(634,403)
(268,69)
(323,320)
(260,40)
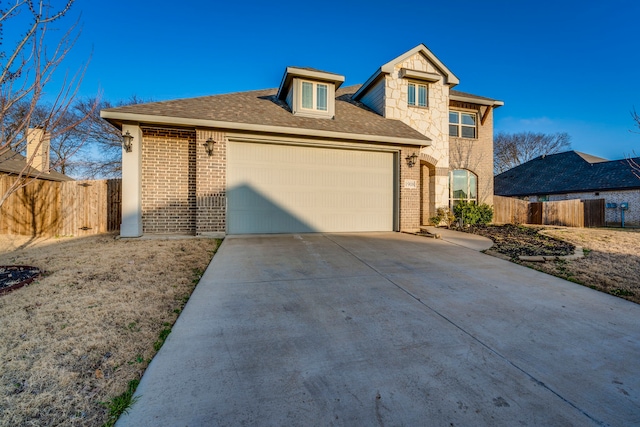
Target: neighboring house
(309,156)
(14,164)
(575,175)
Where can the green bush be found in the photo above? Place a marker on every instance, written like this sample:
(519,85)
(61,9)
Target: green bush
(469,213)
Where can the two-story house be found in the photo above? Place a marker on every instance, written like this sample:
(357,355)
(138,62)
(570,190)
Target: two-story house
(309,156)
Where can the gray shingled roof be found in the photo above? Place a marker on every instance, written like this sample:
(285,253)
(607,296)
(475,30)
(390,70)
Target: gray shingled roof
(261,107)
(568,172)
(13,163)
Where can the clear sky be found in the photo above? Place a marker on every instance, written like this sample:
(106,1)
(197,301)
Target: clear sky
(559,66)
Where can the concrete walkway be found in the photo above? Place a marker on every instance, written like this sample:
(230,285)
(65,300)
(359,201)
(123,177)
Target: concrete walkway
(468,240)
(390,329)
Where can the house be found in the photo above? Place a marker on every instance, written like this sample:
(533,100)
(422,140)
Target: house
(13,163)
(311,155)
(576,175)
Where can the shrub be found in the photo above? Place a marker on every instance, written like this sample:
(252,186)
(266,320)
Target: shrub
(469,213)
(442,214)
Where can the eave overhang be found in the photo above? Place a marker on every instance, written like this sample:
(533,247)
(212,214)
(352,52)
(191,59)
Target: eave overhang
(118,118)
(480,101)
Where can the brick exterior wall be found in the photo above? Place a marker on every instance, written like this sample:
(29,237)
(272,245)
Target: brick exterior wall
(168,181)
(184,189)
(211,175)
(612,217)
(410,206)
(475,155)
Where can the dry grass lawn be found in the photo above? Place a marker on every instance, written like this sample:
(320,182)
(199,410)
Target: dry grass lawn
(76,336)
(611,263)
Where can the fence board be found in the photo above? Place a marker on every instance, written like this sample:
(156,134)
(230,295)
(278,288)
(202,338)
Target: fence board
(72,208)
(507,210)
(594,213)
(569,213)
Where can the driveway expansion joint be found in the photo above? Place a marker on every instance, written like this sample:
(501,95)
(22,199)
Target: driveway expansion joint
(474,338)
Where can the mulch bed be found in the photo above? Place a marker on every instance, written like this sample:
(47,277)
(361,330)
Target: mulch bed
(514,240)
(16,276)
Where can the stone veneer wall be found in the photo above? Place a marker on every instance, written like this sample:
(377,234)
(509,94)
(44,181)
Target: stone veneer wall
(475,155)
(611,216)
(432,121)
(211,178)
(168,181)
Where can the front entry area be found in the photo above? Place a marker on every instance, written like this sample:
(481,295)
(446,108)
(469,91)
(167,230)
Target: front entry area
(278,188)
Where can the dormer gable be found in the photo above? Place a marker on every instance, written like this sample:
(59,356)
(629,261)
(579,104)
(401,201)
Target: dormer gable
(309,92)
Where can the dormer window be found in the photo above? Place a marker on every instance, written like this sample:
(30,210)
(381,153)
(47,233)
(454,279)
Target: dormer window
(314,96)
(309,92)
(417,95)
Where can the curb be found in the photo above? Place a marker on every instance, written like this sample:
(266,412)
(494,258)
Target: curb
(578,253)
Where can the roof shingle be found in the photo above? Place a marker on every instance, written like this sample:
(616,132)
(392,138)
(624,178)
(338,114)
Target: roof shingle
(261,107)
(568,172)
(13,163)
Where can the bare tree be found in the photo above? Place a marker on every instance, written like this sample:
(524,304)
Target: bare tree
(635,162)
(103,151)
(26,70)
(511,150)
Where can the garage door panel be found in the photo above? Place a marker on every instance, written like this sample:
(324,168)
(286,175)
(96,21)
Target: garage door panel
(279,188)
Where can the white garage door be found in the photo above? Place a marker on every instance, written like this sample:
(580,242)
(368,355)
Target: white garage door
(292,189)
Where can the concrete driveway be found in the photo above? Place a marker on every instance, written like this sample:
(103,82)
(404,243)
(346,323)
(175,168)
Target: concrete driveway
(390,329)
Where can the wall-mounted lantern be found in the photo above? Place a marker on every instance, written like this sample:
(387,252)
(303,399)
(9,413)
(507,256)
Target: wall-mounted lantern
(127,142)
(208,146)
(411,160)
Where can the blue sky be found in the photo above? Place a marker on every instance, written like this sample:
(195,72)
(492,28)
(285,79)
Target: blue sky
(559,66)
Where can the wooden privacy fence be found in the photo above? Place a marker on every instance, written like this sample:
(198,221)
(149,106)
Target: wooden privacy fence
(569,213)
(507,210)
(70,208)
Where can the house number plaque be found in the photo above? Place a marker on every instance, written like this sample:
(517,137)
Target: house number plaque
(410,183)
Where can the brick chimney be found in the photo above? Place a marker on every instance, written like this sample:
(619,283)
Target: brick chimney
(38,143)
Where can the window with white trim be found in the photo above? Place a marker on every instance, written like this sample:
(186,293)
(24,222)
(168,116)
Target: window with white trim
(463,186)
(417,95)
(463,125)
(314,96)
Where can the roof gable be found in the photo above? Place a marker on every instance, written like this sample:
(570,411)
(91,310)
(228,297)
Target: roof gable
(448,77)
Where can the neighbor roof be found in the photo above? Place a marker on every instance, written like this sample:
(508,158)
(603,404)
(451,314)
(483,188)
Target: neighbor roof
(262,111)
(568,172)
(13,163)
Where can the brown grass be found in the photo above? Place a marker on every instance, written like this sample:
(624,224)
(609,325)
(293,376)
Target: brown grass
(75,337)
(611,263)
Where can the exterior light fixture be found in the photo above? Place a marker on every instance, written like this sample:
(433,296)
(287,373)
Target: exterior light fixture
(411,160)
(127,142)
(208,146)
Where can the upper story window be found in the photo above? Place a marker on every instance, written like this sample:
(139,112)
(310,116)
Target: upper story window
(463,125)
(309,92)
(314,96)
(417,95)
